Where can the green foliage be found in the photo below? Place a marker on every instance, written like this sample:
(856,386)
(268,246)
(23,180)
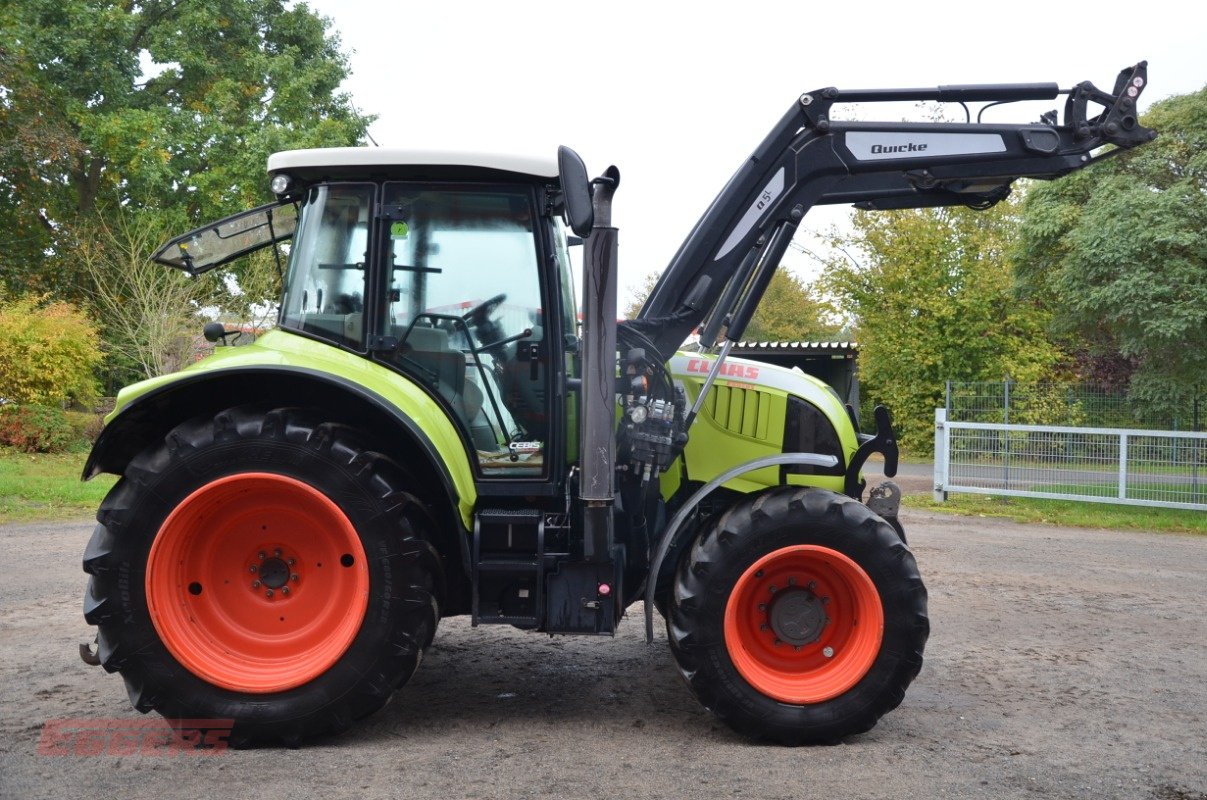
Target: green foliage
(227,83)
(149,312)
(932,297)
(789,311)
(1118,253)
(48,352)
(35,429)
(85,426)
(33,145)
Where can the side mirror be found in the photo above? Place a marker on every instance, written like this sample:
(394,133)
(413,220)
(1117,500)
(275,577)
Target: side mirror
(213,331)
(576,191)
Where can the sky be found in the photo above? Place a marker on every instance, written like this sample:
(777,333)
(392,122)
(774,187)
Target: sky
(677,95)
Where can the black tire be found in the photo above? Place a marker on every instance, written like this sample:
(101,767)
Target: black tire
(721,556)
(405,579)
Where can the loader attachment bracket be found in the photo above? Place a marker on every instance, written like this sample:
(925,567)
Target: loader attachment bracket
(1118,123)
(884,441)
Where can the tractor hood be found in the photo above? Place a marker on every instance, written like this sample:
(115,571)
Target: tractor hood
(750,413)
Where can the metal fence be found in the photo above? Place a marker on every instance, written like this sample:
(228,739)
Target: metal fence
(1108,465)
(1069,404)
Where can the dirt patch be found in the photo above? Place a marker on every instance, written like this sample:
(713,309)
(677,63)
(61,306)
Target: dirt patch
(1062,664)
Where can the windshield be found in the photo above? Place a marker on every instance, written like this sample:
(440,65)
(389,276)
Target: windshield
(325,288)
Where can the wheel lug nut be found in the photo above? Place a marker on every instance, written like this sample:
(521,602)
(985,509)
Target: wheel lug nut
(255,584)
(763,627)
(284,590)
(825,601)
(277,553)
(828,652)
(792,581)
(773,588)
(796,647)
(252,568)
(812,585)
(758,574)
(778,642)
(292,561)
(263,555)
(294,577)
(268,592)
(762,606)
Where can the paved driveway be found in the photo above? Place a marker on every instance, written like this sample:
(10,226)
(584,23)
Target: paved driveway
(1063,664)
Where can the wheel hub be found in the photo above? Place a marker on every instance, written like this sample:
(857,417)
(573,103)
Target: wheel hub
(274,572)
(798,617)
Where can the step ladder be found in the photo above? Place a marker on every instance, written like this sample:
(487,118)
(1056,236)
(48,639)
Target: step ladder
(509,567)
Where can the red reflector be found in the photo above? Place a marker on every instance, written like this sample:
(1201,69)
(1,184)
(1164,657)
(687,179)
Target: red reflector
(605,589)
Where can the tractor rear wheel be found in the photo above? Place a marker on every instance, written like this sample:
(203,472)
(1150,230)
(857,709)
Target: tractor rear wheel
(799,616)
(266,568)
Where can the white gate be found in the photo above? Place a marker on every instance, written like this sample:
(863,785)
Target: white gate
(1102,465)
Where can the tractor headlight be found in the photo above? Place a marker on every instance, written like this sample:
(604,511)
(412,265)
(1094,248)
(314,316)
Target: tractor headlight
(280,184)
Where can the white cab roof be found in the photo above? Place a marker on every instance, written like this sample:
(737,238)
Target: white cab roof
(396,156)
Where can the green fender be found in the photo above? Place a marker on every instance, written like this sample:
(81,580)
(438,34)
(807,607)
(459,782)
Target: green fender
(293,369)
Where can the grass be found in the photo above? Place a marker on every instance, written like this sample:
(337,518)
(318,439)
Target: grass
(1174,492)
(1106,467)
(35,487)
(1071,513)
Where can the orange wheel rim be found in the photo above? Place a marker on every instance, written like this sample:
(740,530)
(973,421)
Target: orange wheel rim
(257,583)
(803,624)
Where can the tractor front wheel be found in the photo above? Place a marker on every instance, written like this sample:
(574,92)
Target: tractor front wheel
(799,616)
(266,568)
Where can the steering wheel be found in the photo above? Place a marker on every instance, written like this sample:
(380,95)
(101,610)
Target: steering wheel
(481,313)
(479,319)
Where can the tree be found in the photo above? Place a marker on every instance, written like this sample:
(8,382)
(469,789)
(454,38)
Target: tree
(155,104)
(34,142)
(1118,253)
(931,292)
(641,293)
(150,312)
(789,311)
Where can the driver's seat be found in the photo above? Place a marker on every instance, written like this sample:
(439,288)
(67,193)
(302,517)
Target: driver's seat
(428,348)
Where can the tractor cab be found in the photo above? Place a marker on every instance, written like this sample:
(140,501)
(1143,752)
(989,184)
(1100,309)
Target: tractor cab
(450,269)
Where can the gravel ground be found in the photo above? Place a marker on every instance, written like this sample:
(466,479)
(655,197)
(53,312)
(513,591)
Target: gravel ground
(1062,664)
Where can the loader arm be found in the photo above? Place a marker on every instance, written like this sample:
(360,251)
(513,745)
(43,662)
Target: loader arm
(809,159)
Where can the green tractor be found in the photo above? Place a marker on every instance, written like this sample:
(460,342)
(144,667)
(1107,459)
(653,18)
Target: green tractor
(431,431)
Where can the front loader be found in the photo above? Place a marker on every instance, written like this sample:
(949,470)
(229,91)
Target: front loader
(428,432)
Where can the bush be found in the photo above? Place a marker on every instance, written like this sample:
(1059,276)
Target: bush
(48,352)
(35,429)
(85,425)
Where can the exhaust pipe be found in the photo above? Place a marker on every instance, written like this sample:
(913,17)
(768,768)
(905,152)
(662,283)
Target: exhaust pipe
(597,414)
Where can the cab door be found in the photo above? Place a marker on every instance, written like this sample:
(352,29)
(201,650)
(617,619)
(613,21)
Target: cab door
(472,312)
